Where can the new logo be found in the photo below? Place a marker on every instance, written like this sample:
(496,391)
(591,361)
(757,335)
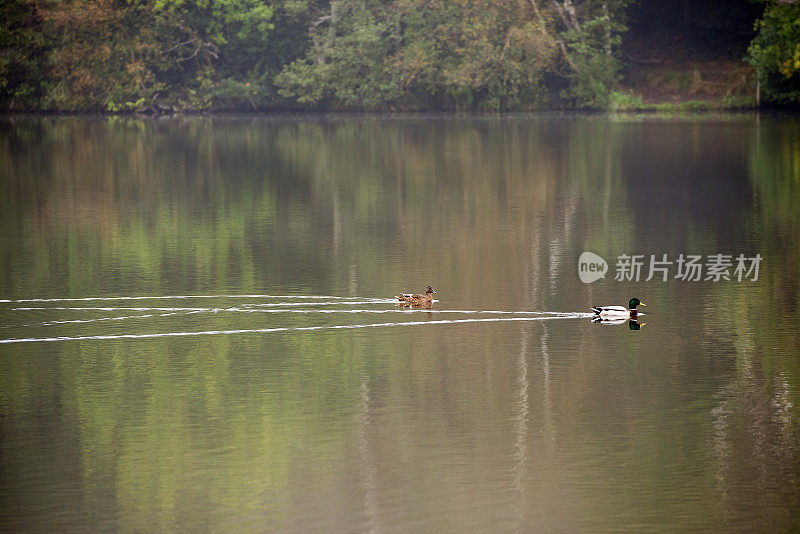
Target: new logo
(591,267)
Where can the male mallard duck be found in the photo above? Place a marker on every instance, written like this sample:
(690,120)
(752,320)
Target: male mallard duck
(416,299)
(619,312)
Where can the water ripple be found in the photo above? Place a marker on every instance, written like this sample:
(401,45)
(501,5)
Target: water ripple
(288,329)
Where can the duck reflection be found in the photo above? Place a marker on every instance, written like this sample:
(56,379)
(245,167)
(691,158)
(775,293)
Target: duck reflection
(633,324)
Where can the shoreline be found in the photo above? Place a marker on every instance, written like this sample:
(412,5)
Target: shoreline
(688,107)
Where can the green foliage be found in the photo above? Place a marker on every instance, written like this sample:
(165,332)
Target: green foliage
(23,47)
(348,54)
(126,56)
(592,81)
(116,106)
(214,51)
(409,54)
(592,43)
(738,101)
(623,101)
(104,56)
(345,64)
(194,55)
(233,30)
(304,82)
(692,106)
(775,52)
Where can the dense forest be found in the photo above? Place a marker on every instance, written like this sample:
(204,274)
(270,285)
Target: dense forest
(195,55)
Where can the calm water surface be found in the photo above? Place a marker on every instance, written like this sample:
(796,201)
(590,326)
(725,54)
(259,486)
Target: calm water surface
(240,395)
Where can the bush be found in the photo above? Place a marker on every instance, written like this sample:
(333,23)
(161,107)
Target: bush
(622,101)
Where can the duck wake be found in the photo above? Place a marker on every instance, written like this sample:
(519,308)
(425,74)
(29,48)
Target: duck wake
(48,314)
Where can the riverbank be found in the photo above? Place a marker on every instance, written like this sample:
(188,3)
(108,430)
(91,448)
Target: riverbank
(675,77)
(660,80)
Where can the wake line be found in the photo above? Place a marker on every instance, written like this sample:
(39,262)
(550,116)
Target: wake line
(259,308)
(82,299)
(102,319)
(150,308)
(338,303)
(116,309)
(399,310)
(286,329)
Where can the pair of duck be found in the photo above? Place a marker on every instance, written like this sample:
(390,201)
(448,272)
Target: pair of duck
(603,312)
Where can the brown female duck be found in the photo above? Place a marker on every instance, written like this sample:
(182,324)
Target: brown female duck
(416,299)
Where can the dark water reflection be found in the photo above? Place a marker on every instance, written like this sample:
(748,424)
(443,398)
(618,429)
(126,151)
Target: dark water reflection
(558,424)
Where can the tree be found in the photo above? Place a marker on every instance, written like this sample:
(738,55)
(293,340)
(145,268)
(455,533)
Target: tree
(102,56)
(22,61)
(775,52)
(216,50)
(345,64)
(462,54)
(473,54)
(589,35)
(125,55)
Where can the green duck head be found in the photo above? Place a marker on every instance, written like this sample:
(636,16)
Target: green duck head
(635,302)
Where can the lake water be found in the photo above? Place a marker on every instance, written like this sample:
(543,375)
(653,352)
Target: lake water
(262,379)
